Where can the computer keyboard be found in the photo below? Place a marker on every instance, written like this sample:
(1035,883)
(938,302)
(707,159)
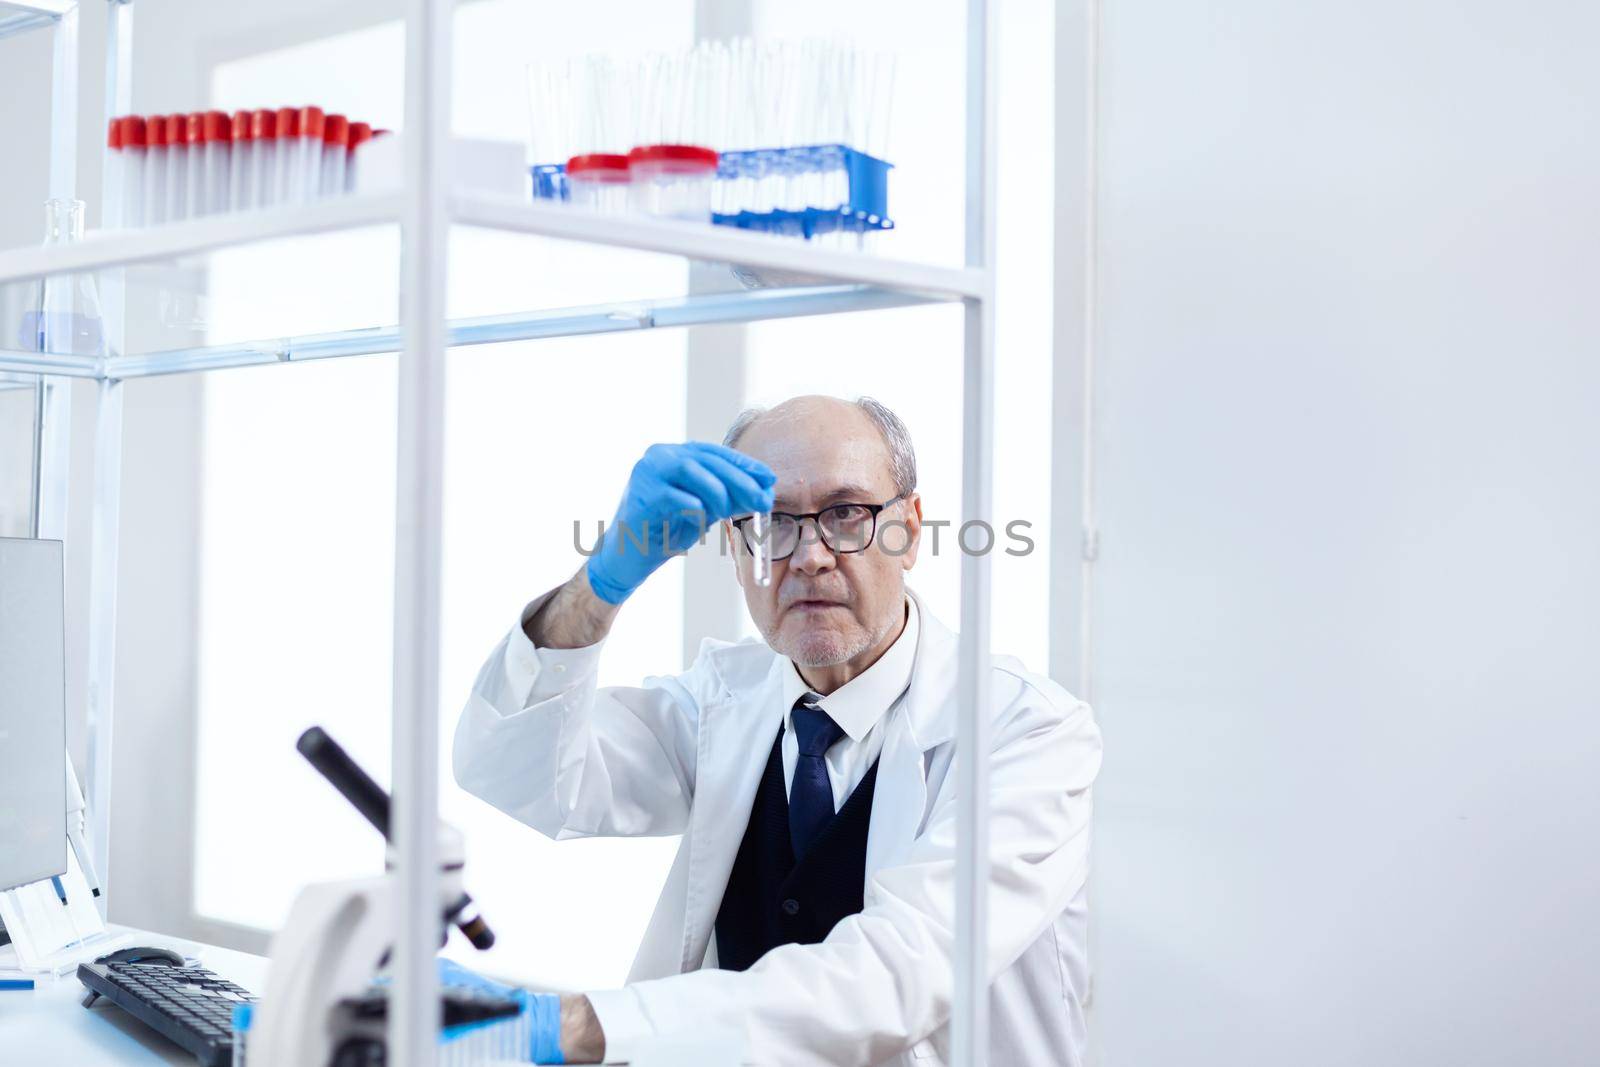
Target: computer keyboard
(190,1006)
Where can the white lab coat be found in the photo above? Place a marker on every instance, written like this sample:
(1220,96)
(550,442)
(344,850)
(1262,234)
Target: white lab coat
(683,755)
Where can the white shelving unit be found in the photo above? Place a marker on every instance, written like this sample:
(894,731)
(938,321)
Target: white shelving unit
(424,213)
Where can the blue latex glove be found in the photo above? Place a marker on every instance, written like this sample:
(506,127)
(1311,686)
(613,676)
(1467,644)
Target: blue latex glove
(687,487)
(544,1012)
(542,1009)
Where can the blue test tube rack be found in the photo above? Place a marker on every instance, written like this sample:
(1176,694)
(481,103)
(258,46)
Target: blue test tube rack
(865,208)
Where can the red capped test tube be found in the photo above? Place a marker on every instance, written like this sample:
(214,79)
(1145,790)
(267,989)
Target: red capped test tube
(195,164)
(241,161)
(287,140)
(177,168)
(335,149)
(360,134)
(135,135)
(264,144)
(217,138)
(313,124)
(155,171)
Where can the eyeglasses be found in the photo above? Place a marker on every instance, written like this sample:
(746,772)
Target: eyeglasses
(844,528)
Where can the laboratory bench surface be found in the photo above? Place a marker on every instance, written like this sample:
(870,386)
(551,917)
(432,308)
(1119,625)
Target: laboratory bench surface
(48,1024)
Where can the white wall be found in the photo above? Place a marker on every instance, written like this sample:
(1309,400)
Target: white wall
(1346,625)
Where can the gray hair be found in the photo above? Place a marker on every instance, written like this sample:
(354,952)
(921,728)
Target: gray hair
(902,457)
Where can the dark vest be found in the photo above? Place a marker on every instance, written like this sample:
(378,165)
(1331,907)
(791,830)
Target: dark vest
(771,901)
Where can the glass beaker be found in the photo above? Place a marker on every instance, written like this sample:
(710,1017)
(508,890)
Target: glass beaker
(64,313)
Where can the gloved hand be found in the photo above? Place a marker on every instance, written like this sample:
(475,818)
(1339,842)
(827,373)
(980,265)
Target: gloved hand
(686,487)
(542,1009)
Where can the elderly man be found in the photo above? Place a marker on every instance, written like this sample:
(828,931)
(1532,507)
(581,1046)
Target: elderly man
(811,907)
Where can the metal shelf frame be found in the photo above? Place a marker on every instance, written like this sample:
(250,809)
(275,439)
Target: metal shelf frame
(696,310)
(424,211)
(23,16)
(838,281)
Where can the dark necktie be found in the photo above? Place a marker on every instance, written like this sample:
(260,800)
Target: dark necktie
(810,794)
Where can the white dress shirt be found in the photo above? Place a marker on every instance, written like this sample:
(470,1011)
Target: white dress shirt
(859,707)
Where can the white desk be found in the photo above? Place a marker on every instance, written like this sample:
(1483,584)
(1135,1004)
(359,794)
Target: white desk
(48,1025)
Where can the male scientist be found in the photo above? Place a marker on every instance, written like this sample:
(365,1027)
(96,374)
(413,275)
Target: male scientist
(811,907)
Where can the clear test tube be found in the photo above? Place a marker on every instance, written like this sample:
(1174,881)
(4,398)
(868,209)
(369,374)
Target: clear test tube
(761,558)
(155,172)
(335,150)
(195,165)
(177,168)
(288,141)
(135,133)
(218,142)
(264,144)
(241,162)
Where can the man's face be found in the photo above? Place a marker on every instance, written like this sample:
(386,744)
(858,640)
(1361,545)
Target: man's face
(824,607)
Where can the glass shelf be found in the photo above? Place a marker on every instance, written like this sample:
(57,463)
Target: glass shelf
(320,282)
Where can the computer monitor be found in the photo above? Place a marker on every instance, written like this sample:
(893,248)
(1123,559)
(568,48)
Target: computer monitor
(33,713)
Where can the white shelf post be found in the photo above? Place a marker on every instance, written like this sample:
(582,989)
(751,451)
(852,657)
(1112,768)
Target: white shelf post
(64,105)
(104,539)
(414,1009)
(52,452)
(53,410)
(104,525)
(970,1025)
(105,522)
